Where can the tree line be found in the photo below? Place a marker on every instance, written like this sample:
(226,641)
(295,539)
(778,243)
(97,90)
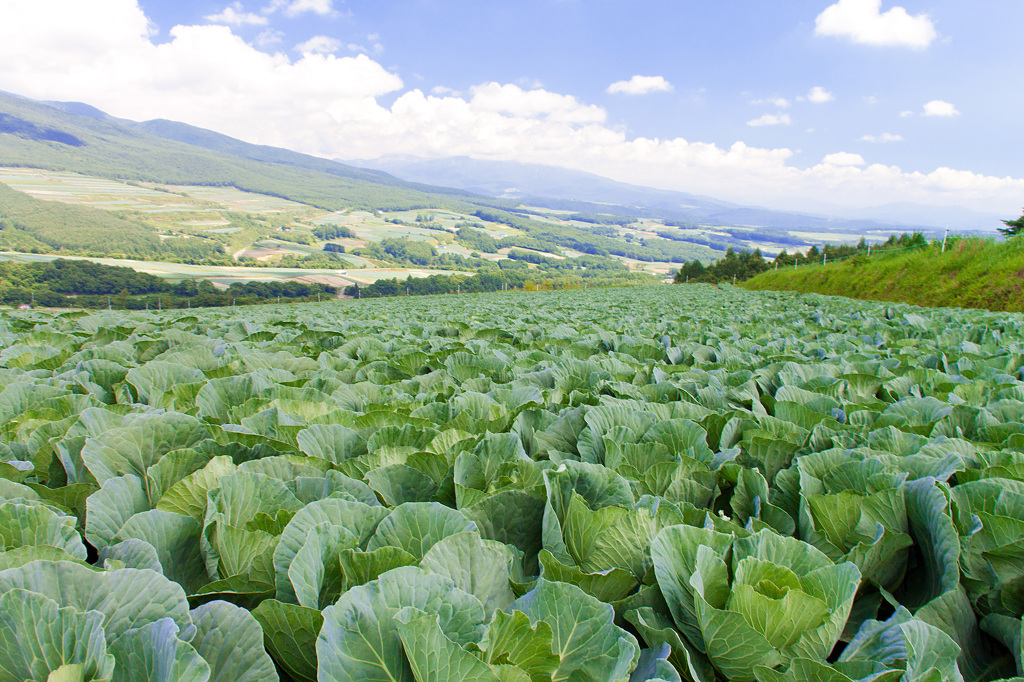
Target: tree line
(742,265)
(83,284)
(513,277)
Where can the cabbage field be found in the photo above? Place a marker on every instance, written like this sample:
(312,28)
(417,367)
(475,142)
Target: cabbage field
(670,483)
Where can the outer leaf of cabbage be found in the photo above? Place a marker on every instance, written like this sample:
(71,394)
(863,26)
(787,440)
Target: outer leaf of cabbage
(127,598)
(38,637)
(230,640)
(360,638)
(591,647)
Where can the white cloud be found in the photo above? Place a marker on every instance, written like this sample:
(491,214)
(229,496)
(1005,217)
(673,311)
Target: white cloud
(319,45)
(515,101)
(862,21)
(819,95)
(780,102)
(294,8)
(884,137)
(939,108)
(269,37)
(770,120)
(871,99)
(527,83)
(844,159)
(906,114)
(235,15)
(376,47)
(640,85)
(104,54)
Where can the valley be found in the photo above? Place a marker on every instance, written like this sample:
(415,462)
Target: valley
(183,203)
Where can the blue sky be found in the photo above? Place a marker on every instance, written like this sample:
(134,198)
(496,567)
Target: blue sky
(786,103)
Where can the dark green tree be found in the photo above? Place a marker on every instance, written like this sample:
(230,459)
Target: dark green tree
(1013,227)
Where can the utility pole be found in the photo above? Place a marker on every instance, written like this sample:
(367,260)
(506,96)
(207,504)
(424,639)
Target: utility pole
(944,241)
(110,305)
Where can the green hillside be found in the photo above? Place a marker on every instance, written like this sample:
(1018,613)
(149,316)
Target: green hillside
(970,273)
(41,136)
(31,225)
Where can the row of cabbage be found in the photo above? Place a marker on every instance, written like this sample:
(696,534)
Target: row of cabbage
(651,484)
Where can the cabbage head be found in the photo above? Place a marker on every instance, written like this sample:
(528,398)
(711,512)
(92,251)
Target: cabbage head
(764,599)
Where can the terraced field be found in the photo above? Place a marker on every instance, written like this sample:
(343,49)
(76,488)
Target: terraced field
(233,199)
(83,190)
(642,485)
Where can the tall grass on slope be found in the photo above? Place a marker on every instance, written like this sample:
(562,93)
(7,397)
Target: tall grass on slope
(971,273)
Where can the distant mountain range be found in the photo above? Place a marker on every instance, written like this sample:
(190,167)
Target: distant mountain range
(553,187)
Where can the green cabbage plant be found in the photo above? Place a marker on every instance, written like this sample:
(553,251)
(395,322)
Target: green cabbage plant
(761,600)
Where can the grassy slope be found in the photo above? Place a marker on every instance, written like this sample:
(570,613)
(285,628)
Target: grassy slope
(27,223)
(114,150)
(972,273)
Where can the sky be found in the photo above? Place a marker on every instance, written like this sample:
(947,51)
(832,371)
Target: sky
(794,104)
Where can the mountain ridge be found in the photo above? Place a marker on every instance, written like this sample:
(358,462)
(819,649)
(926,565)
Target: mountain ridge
(546,186)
